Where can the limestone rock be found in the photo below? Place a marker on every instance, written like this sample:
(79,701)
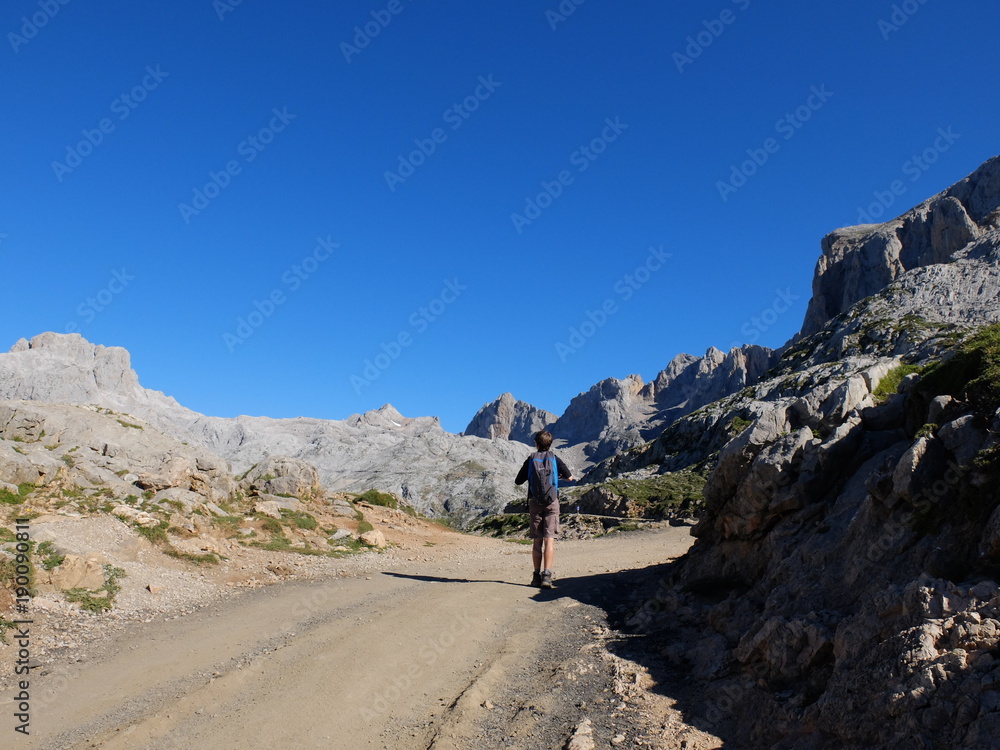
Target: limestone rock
(283,475)
(374,538)
(268,508)
(339,506)
(506,418)
(963,438)
(861,261)
(583,737)
(76,571)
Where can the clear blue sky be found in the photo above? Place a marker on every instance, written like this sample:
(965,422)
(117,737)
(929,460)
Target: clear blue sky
(231,137)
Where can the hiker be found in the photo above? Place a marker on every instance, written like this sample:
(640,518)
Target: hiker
(543,468)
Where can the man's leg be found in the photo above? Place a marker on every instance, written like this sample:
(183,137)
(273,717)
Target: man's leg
(536,553)
(550,552)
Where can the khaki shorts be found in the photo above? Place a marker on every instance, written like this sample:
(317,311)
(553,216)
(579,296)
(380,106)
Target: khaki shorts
(544,520)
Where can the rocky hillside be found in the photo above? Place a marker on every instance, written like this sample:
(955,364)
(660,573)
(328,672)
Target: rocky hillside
(436,471)
(842,590)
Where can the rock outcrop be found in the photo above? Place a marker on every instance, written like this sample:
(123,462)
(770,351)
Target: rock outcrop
(860,261)
(507,418)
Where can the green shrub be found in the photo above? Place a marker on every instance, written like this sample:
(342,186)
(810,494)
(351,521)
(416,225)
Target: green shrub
(383,499)
(889,384)
(209,558)
(9,498)
(156,534)
(300,519)
(503,524)
(973,372)
(364,527)
(50,556)
(89,601)
(738,425)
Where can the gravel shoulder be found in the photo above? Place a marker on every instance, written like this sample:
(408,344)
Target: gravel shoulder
(436,643)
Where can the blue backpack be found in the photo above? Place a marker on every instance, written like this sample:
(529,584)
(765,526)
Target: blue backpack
(543,478)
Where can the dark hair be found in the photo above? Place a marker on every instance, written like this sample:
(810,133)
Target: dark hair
(543,440)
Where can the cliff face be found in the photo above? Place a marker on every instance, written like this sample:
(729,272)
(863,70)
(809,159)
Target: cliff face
(506,418)
(858,262)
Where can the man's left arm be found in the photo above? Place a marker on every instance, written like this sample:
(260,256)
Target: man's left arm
(563,469)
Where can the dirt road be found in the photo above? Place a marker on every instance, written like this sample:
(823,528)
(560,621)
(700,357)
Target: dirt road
(453,654)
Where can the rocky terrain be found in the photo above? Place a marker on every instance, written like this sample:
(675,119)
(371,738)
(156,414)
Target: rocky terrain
(435,471)
(842,589)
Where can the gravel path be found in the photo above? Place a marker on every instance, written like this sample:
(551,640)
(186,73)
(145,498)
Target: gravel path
(383,651)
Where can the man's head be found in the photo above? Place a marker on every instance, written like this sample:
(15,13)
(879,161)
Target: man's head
(543,440)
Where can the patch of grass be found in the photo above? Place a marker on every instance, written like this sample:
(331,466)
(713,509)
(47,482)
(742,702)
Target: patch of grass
(738,425)
(382,499)
(89,601)
(889,384)
(281,543)
(129,424)
(155,534)
(503,524)
(347,546)
(301,519)
(270,525)
(9,498)
(68,460)
(9,575)
(364,527)
(209,558)
(229,524)
(973,372)
(680,492)
(51,558)
(17,439)
(5,625)
(7,535)
(926,430)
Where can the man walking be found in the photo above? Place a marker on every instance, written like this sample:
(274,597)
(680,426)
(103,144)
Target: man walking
(542,470)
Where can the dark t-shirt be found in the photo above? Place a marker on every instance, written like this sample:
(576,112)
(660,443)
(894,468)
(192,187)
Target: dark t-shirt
(522,475)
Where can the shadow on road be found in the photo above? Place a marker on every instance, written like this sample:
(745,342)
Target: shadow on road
(623,596)
(440,579)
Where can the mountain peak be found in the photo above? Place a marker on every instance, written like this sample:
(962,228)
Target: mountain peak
(859,261)
(507,418)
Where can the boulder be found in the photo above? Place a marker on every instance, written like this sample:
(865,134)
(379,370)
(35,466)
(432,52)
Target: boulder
(283,475)
(374,538)
(76,571)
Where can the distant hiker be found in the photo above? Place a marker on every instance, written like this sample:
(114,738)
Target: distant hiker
(542,470)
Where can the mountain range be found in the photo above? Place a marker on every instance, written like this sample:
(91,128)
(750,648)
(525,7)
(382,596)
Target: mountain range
(842,589)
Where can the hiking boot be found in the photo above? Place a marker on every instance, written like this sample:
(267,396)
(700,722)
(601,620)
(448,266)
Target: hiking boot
(536,579)
(546,582)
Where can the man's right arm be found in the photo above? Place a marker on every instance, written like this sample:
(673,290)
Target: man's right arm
(522,475)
